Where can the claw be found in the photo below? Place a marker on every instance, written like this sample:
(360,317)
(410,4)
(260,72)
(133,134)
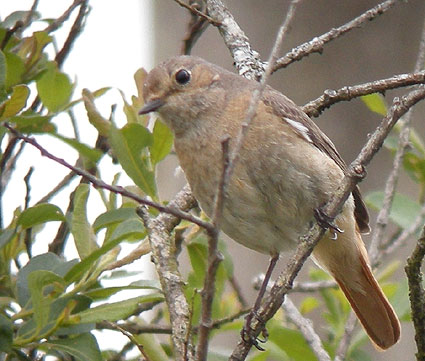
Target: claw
(326,222)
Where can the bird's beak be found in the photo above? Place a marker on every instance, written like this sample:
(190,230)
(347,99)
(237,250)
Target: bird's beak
(151,106)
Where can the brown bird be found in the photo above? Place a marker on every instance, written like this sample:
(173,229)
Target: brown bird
(287,169)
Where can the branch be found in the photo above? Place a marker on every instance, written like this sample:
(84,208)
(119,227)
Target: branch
(417,294)
(57,23)
(163,254)
(247,60)
(345,341)
(353,176)
(115,189)
(391,184)
(347,93)
(316,45)
(306,327)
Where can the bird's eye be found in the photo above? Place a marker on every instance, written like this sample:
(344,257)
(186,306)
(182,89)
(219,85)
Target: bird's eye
(182,76)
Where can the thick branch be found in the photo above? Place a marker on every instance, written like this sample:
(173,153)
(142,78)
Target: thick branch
(163,253)
(247,60)
(417,294)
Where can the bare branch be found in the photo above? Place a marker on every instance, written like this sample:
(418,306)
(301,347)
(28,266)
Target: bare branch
(247,60)
(417,294)
(163,253)
(306,327)
(316,45)
(116,189)
(391,184)
(347,93)
(345,341)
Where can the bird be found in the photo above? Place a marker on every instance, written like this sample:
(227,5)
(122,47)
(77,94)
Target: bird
(286,170)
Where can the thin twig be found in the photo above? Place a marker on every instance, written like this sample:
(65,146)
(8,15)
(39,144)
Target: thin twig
(196,11)
(391,183)
(115,189)
(315,107)
(57,23)
(195,28)
(417,294)
(353,176)
(346,338)
(73,34)
(316,45)
(392,245)
(131,338)
(306,327)
(62,184)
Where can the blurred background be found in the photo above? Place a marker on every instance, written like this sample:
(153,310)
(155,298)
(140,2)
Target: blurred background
(141,33)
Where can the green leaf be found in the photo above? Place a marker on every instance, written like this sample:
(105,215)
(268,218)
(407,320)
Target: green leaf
(6,236)
(105,292)
(198,259)
(403,211)
(117,310)
(308,304)
(33,123)
(375,102)
(41,301)
(292,343)
(6,334)
(15,69)
(113,217)
(127,144)
(15,103)
(46,261)
(101,124)
(39,214)
(162,142)
(84,237)
(3,72)
(90,153)
(82,347)
(132,228)
(54,88)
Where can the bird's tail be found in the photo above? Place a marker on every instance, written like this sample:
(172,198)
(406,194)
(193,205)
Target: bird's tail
(347,261)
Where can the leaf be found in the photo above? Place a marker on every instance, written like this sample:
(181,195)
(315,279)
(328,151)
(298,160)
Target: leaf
(6,236)
(82,347)
(375,102)
(15,103)
(92,154)
(117,310)
(101,124)
(127,144)
(46,261)
(105,292)
(129,228)
(15,69)
(54,88)
(308,304)
(113,217)
(3,72)
(39,214)
(6,334)
(37,283)
(33,123)
(403,211)
(84,237)
(162,142)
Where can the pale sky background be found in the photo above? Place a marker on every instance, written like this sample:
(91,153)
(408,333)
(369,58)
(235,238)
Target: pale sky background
(116,41)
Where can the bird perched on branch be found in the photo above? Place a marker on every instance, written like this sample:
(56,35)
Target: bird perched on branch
(286,170)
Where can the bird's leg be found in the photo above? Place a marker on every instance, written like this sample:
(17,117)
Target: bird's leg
(253,313)
(325,221)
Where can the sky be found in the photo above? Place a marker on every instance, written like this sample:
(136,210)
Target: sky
(117,40)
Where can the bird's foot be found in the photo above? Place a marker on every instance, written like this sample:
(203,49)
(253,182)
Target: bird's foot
(247,335)
(326,222)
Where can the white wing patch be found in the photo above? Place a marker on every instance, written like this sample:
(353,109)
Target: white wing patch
(299,128)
